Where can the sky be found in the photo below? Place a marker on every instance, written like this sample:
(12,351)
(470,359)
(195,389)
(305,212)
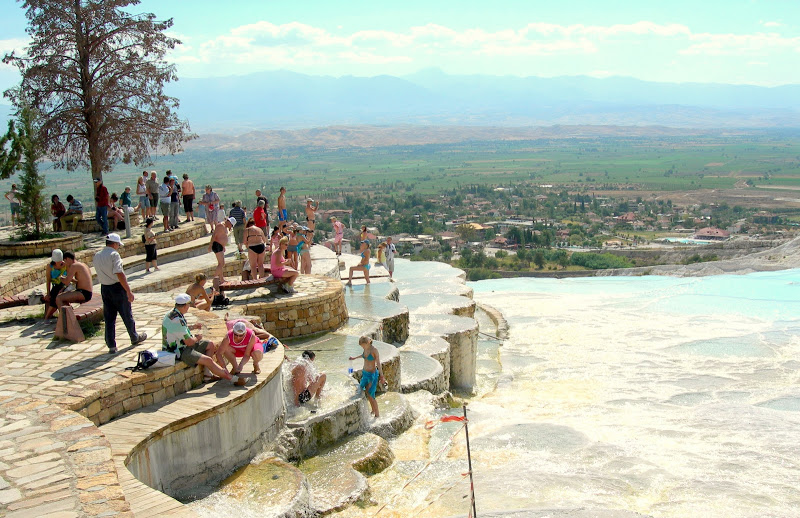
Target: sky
(706,41)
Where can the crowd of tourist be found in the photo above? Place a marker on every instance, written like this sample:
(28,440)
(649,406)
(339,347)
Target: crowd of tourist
(282,253)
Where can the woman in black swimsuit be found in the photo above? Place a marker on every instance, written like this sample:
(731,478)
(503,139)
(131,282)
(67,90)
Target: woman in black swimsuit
(255,241)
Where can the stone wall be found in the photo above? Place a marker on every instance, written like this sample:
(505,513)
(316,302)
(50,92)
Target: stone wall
(209,445)
(232,270)
(37,275)
(130,391)
(141,389)
(89,224)
(463,357)
(41,247)
(395,329)
(302,315)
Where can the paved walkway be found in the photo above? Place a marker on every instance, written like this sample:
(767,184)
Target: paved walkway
(54,463)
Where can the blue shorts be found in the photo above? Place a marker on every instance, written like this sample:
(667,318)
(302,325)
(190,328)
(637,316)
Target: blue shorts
(369,382)
(144,201)
(283,215)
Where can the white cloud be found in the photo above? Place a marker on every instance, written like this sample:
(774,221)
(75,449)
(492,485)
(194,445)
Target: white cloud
(771,24)
(301,46)
(740,44)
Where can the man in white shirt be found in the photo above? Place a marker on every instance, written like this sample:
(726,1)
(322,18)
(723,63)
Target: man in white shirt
(117,295)
(390,251)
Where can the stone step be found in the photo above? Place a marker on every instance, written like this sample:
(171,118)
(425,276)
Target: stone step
(421,372)
(336,476)
(397,415)
(270,487)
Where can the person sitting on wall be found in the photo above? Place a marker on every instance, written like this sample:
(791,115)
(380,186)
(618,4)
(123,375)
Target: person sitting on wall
(191,349)
(56,273)
(74,214)
(307,382)
(80,274)
(58,211)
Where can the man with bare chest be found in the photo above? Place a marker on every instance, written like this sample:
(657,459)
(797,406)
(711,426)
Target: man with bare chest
(78,273)
(218,241)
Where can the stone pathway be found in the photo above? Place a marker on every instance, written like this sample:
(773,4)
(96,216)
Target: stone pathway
(38,365)
(54,463)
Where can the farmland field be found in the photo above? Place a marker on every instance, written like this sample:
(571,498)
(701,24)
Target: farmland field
(646,164)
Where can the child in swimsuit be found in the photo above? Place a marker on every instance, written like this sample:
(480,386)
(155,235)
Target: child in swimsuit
(293,248)
(371,374)
(57,271)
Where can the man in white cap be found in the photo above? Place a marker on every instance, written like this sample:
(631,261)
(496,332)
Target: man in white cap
(191,349)
(117,295)
(219,238)
(311,213)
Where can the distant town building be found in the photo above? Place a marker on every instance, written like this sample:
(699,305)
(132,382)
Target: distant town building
(712,233)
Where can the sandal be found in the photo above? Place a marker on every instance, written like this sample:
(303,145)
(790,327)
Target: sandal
(256,370)
(211,379)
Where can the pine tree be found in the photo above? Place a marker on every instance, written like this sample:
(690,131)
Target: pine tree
(23,155)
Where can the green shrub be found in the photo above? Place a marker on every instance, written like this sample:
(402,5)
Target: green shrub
(479,274)
(595,261)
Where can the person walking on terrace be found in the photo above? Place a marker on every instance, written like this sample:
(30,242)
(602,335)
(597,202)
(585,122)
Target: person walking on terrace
(72,218)
(391,250)
(371,373)
(152,194)
(116,293)
(164,196)
(102,202)
(151,254)
(144,199)
(174,201)
(191,349)
(283,216)
(187,188)
(218,241)
(338,229)
(307,382)
(239,214)
(363,265)
(260,217)
(256,243)
(260,197)
(210,202)
(13,199)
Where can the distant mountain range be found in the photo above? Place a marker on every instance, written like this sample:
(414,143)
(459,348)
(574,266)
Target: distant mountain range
(283,100)
(288,100)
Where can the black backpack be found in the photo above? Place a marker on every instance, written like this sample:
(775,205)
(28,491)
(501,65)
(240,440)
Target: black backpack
(145,360)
